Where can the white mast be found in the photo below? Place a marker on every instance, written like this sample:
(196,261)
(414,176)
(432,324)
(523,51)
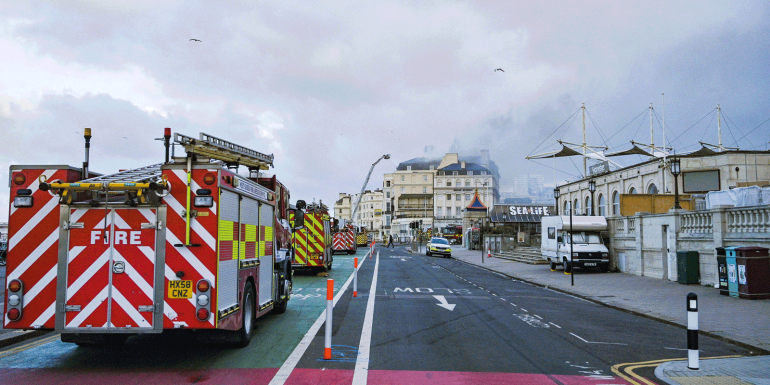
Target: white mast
(663,96)
(719,126)
(585,166)
(652,136)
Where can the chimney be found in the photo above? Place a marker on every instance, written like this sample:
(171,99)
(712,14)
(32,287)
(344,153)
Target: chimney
(462,164)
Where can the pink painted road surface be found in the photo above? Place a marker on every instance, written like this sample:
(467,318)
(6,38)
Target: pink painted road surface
(298,377)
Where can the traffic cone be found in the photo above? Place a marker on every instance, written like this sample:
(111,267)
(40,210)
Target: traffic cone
(489,254)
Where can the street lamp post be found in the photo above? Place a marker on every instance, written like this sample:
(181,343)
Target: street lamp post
(675,171)
(592,189)
(556,198)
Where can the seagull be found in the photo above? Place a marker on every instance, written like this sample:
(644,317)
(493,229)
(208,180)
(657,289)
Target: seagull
(195,40)
(499,69)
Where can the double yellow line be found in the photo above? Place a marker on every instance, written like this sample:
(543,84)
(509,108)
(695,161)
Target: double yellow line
(30,345)
(626,371)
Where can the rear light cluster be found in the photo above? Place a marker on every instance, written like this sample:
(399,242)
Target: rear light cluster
(23,197)
(203,300)
(15,299)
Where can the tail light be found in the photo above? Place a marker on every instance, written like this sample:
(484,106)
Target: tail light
(15,299)
(19,179)
(203,299)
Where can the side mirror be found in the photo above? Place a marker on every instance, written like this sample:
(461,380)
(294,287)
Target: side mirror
(299,220)
(559,239)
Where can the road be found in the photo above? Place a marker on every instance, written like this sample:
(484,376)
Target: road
(430,320)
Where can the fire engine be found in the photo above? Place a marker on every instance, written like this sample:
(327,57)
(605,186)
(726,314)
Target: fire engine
(312,239)
(362,236)
(453,233)
(184,244)
(344,237)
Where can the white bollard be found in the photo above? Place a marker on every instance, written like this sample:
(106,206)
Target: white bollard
(355,277)
(329,308)
(692,332)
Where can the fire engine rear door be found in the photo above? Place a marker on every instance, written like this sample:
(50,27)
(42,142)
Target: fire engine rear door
(110,270)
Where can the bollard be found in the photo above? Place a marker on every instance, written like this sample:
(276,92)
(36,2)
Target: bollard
(329,308)
(355,277)
(692,332)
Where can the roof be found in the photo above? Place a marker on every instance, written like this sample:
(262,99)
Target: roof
(468,167)
(476,204)
(418,164)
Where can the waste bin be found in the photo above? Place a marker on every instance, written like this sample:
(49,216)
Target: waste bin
(688,270)
(732,271)
(753,265)
(722,269)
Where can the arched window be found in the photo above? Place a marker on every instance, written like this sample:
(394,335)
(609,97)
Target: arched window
(576,204)
(439,182)
(588,206)
(602,210)
(566,208)
(615,203)
(632,190)
(467,183)
(652,189)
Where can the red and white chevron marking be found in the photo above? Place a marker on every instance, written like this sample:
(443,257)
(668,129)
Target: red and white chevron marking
(196,262)
(108,298)
(33,240)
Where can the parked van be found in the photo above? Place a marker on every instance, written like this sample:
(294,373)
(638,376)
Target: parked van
(588,249)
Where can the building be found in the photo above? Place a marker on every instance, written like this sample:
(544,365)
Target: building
(410,191)
(370,212)
(456,183)
(702,171)
(342,207)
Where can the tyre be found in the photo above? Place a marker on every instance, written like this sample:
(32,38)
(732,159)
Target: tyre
(553,265)
(449,255)
(604,268)
(567,266)
(427,252)
(351,252)
(247,321)
(283,303)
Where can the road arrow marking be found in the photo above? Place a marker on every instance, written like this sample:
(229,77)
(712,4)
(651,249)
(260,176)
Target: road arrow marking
(443,303)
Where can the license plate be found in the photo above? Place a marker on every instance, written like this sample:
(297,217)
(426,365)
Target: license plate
(180,289)
(590,263)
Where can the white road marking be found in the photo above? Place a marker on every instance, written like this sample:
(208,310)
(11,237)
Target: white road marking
(555,325)
(524,310)
(362,361)
(443,303)
(594,342)
(537,316)
(674,348)
(288,366)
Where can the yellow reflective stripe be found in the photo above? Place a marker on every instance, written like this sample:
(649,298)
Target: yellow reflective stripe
(226,230)
(251,233)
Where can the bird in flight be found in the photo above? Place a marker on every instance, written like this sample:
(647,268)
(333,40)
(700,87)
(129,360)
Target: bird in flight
(499,69)
(195,40)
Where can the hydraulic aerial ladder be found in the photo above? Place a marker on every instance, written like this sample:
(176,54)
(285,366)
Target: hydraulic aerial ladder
(360,195)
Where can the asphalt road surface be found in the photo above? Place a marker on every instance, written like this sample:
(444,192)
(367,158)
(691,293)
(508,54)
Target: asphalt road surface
(415,320)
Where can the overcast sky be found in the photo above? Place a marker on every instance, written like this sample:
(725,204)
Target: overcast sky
(329,87)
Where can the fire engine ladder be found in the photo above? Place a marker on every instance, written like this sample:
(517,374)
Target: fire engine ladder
(138,180)
(220,149)
(231,154)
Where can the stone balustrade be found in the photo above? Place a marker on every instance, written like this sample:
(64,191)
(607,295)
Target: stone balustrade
(748,220)
(697,223)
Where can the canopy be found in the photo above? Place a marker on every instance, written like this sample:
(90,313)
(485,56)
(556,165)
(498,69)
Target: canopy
(633,151)
(565,151)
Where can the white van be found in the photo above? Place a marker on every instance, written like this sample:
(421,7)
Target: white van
(588,250)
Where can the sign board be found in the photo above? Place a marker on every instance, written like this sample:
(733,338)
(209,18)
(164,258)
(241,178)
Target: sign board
(599,168)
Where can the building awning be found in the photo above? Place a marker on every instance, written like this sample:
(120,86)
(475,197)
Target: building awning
(633,151)
(565,151)
(408,196)
(703,151)
(519,213)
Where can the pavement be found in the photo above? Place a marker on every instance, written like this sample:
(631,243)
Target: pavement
(739,321)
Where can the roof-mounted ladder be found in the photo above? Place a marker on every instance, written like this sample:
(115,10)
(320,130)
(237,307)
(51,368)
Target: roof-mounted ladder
(142,174)
(220,149)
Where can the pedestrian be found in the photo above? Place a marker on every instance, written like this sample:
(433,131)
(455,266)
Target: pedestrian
(390,242)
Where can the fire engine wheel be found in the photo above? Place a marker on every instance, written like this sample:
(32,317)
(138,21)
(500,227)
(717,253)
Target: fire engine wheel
(351,252)
(247,322)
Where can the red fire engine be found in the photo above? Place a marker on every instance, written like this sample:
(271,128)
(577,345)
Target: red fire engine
(344,237)
(186,244)
(453,233)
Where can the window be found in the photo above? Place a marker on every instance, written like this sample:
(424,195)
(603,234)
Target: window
(476,182)
(652,189)
(424,190)
(441,173)
(387,194)
(458,183)
(576,206)
(470,172)
(402,178)
(458,197)
(387,183)
(402,190)
(387,206)
(454,172)
(449,183)
(467,197)
(467,183)
(449,197)
(424,178)
(408,168)
(449,211)
(632,190)
(615,203)
(551,233)
(588,206)
(602,209)
(483,173)
(432,166)
(440,197)
(566,208)
(439,182)
(438,211)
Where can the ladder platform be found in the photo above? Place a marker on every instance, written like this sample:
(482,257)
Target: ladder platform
(220,149)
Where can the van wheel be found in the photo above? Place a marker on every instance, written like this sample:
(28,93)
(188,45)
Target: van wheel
(247,322)
(567,266)
(604,268)
(553,265)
